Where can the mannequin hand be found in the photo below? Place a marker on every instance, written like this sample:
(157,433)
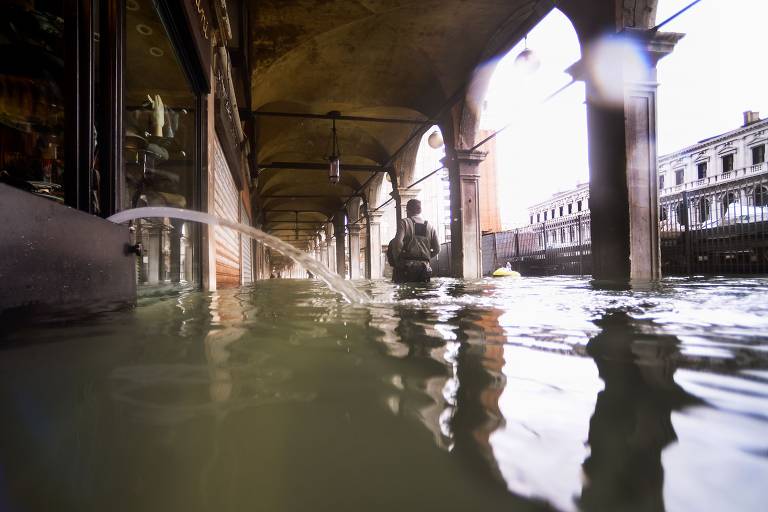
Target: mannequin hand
(158,116)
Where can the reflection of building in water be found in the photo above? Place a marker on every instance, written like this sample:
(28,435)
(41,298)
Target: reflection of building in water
(632,423)
(226,328)
(481,382)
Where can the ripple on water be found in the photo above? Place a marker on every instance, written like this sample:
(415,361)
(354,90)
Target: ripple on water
(506,393)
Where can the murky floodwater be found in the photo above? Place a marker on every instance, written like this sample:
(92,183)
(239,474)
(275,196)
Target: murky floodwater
(530,394)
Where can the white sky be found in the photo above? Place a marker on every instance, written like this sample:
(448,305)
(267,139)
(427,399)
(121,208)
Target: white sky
(716,73)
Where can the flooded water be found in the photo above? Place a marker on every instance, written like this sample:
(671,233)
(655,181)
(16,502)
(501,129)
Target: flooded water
(515,395)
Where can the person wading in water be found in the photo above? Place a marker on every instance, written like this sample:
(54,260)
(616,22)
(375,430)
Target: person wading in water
(413,246)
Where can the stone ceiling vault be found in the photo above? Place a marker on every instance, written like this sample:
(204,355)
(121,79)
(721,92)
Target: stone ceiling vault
(399,59)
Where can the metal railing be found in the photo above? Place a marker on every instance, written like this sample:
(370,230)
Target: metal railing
(561,246)
(719,229)
(709,181)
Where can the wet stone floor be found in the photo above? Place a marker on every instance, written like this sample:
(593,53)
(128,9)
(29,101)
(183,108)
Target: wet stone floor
(514,395)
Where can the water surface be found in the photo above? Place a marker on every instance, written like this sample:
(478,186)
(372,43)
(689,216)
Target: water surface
(530,394)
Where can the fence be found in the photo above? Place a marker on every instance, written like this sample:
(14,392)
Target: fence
(719,228)
(562,246)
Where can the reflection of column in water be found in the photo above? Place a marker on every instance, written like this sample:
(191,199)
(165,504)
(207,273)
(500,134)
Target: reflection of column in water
(227,315)
(481,383)
(408,334)
(632,423)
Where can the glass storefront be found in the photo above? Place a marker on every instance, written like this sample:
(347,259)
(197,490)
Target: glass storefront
(160,124)
(32,66)
(133,134)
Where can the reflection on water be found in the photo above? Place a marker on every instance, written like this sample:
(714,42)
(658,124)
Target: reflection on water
(534,394)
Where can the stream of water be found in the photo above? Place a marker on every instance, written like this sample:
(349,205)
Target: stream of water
(333,280)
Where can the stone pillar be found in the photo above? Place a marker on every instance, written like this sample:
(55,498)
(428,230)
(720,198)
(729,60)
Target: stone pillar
(464,173)
(623,190)
(154,253)
(354,251)
(406,194)
(374,245)
(340,234)
(175,234)
(330,260)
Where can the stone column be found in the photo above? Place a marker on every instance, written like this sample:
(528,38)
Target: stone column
(175,234)
(464,173)
(374,245)
(330,260)
(354,251)
(406,194)
(340,234)
(154,253)
(623,190)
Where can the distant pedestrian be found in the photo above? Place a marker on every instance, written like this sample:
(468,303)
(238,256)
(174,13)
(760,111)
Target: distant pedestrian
(414,245)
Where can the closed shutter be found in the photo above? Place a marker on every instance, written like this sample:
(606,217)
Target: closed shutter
(226,206)
(246,245)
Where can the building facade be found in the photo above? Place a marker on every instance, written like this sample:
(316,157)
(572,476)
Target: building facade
(713,210)
(724,173)
(719,179)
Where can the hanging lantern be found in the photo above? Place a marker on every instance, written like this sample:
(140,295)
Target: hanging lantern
(334,161)
(334,171)
(527,60)
(435,139)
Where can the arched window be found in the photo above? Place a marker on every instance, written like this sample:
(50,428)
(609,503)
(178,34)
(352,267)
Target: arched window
(728,199)
(760,196)
(682,214)
(704,208)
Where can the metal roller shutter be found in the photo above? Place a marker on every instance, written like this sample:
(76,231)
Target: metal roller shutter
(226,206)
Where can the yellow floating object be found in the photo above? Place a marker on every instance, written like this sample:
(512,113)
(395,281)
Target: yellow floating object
(503,272)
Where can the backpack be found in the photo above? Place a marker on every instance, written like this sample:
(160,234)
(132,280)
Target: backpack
(390,253)
(406,242)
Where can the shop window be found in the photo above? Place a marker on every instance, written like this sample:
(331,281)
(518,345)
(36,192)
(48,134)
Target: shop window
(702,170)
(32,116)
(727,161)
(160,128)
(758,154)
(679,176)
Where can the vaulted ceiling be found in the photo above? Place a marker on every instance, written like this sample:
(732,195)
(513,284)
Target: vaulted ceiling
(380,59)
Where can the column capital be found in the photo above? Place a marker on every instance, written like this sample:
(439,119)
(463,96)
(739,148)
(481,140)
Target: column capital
(354,229)
(375,217)
(467,156)
(655,45)
(408,193)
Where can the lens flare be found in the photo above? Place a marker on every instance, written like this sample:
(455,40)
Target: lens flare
(612,63)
